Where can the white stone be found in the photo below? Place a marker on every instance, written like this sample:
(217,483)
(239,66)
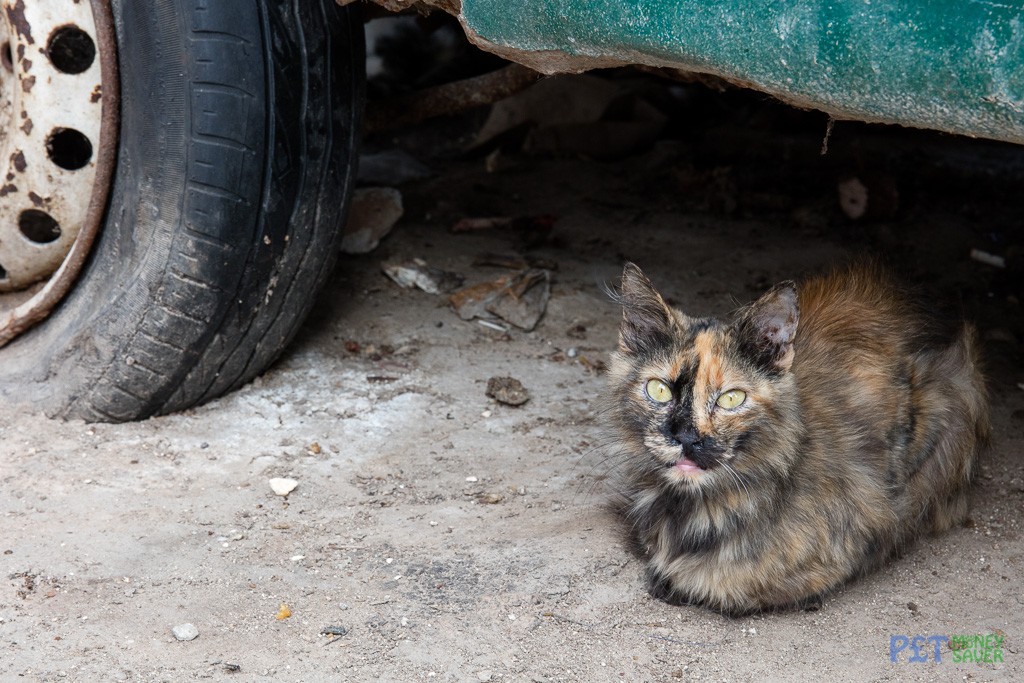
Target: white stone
(282,486)
(185,632)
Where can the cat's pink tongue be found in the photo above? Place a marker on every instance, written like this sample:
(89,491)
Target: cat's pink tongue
(687,465)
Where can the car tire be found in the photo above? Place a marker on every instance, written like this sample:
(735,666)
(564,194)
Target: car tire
(236,156)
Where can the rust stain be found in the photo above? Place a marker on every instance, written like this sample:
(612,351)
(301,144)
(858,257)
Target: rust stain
(26,64)
(27,83)
(97,93)
(7,189)
(27,127)
(35,199)
(18,159)
(16,15)
(10,177)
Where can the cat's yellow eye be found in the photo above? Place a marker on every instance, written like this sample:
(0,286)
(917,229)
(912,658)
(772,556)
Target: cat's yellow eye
(731,399)
(659,391)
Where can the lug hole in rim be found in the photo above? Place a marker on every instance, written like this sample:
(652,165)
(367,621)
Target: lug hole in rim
(38,226)
(7,56)
(71,50)
(3,274)
(68,148)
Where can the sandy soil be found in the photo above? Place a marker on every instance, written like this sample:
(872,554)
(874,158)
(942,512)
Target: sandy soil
(456,539)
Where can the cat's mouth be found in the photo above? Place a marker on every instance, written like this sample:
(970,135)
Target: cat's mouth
(686,467)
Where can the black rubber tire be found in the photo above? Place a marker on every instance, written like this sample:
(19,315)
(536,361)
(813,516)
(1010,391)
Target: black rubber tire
(239,123)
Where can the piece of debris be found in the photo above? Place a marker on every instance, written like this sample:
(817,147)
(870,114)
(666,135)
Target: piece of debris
(853,198)
(490,498)
(314,449)
(333,631)
(283,612)
(523,303)
(988,259)
(493,162)
(416,273)
(391,168)
(870,195)
(530,231)
(507,390)
(282,486)
(513,261)
(577,331)
(519,299)
(372,213)
(485,223)
(185,632)
(471,302)
(598,367)
(493,326)
(231,667)
(585,115)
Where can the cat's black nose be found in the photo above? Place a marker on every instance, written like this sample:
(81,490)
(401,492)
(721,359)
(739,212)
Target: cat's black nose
(688,439)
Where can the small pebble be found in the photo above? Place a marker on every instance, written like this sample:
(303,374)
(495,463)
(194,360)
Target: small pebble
(507,390)
(185,632)
(283,487)
(472,480)
(484,675)
(333,631)
(572,353)
(490,498)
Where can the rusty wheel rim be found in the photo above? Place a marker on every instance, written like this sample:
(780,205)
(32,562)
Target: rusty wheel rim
(58,136)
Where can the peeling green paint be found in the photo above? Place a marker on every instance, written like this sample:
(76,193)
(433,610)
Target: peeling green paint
(952,65)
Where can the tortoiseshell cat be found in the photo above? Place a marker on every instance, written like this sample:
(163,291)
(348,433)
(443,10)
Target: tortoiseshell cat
(774,457)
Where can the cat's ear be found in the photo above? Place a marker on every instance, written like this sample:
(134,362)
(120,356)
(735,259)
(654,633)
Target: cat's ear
(766,328)
(646,318)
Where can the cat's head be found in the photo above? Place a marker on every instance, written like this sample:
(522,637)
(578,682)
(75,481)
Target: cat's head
(698,400)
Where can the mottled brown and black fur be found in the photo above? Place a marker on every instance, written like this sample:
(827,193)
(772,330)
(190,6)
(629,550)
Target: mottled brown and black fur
(859,431)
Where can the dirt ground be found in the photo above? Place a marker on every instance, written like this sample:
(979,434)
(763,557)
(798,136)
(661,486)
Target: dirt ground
(453,538)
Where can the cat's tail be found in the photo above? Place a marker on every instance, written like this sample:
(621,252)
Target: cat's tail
(953,399)
(965,355)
